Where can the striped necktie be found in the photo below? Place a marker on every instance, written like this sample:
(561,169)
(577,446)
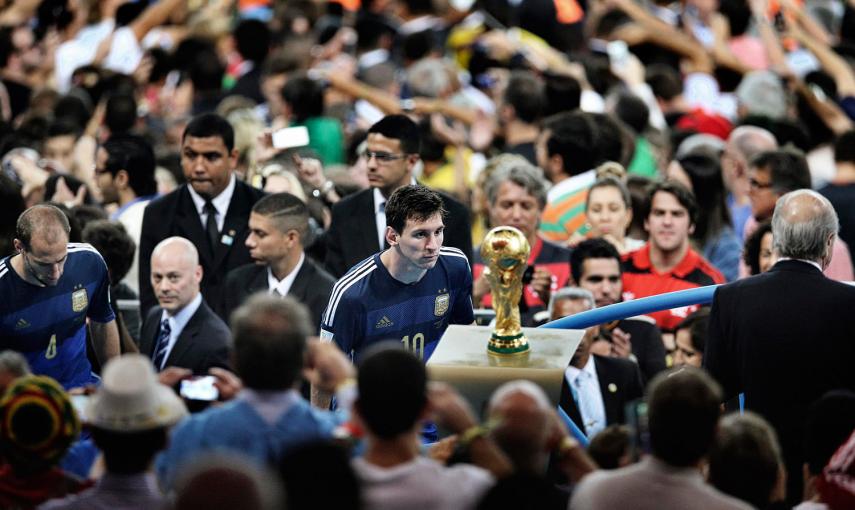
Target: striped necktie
(162,344)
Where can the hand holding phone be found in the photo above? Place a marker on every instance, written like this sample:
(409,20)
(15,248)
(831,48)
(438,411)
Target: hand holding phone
(199,388)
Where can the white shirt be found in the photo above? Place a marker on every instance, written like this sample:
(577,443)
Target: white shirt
(380,217)
(270,405)
(590,403)
(421,483)
(221,203)
(177,323)
(284,285)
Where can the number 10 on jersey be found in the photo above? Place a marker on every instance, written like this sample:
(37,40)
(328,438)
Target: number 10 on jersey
(416,346)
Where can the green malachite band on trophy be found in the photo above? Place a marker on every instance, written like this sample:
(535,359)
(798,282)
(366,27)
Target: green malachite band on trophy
(508,338)
(519,349)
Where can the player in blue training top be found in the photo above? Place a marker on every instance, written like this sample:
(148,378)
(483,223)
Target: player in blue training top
(410,292)
(47,291)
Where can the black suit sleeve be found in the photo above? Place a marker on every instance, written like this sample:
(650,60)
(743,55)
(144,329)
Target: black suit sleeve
(719,355)
(458,229)
(232,296)
(334,260)
(148,240)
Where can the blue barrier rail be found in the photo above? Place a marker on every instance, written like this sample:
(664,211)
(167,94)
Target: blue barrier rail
(617,311)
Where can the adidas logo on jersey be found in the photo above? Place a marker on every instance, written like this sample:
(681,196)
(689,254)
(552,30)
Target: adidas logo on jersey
(21,324)
(383,323)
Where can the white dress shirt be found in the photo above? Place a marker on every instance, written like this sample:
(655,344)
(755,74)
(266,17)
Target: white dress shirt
(221,203)
(585,386)
(380,217)
(284,285)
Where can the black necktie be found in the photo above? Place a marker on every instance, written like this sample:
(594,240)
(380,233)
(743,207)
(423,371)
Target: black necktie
(211,226)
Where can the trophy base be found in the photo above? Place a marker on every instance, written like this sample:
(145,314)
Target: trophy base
(508,345)
(462,360)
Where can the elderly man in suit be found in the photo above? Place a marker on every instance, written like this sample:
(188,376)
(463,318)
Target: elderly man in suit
(278,231)
(596,388)
(211,210)
(182,331)
(784,337)
(358,226)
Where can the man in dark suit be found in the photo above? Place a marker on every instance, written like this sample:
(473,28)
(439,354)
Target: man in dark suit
(358,225)
(785,337)
(211,210)
(182,331)
(278,228)
(596,388)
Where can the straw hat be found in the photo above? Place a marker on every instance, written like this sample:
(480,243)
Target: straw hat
(131,399)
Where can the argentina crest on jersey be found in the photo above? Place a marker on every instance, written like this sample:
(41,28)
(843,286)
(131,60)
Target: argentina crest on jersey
(440,305)
(79,300)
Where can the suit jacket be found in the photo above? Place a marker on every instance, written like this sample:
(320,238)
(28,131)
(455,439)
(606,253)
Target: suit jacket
(312,287)
(352,236)
(175,214)
(620,383)
(204,342)
(783,338)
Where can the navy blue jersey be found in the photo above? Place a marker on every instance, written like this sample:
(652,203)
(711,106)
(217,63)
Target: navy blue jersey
(48,324)
(368,305)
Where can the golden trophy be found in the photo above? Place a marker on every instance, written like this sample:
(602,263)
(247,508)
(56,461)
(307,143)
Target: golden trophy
(505,253)
(535,354)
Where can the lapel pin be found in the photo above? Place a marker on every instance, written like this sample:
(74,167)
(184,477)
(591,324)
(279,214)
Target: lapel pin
(612,388)
(227,239)
(232,233)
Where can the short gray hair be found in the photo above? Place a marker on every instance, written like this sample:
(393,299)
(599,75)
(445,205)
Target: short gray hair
(14,363)
(803,237)
(524,175)
(573,294)
(523,386)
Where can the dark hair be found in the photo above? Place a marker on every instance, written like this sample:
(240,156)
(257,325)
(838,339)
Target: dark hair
(697,323)
(615,140)
(287,211)
(574,137)
(745,458)
(680,192)
(738,15)
(42,217)
(307,471)
(412,202)
(704,172)
(525,93)
(418,45)
(120,114)
(563,94)
(206,71)
(787,168)
(683,411)
(392,390)
(632,111)
(608,446)
(844,147)
(751,250)
(597,248)
(128,453)
(134,155)
(211,124)
(114,244)
(664,81)
(270,341)
(399,127)
(62,127)
(73,110)
(830,421)
(305,97)
(252,38)
(638,187)
(86,214)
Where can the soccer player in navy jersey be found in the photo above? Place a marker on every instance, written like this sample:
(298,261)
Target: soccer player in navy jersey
(47,292)
(410,292)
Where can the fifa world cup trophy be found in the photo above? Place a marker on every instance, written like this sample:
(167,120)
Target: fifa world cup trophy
(505,252)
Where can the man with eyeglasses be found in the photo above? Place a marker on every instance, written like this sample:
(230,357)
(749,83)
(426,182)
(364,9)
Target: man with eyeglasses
(596,267)
(773,174)
(358,225)
(49,291)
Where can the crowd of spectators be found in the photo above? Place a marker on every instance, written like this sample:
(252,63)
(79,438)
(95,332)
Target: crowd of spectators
(232,233)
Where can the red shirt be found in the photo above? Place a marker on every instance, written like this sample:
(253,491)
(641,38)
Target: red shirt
(641,279)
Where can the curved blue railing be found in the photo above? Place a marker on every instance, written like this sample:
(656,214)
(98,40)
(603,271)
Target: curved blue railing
(617,311)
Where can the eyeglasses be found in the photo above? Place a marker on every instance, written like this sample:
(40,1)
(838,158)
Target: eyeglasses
(755,184)
(382,157)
